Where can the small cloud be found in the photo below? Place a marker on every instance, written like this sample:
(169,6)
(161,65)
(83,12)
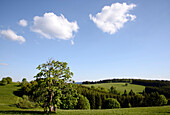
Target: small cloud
(23,23)
(72,42)
(113,17)
(52,26)
(11,35)
(5,64)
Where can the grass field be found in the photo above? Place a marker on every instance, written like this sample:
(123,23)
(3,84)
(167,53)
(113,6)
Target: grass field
(119,86)
(164,110)
(8,99)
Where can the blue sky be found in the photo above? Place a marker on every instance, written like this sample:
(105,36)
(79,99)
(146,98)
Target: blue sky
(99,39)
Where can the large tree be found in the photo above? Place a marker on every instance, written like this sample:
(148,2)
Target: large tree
(54,79)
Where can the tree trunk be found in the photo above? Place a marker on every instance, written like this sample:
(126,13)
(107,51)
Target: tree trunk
(55,109)
(51,108)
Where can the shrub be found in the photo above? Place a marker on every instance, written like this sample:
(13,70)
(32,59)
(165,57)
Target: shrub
(111,103)
(24,103)
(92,87)
(24,82)
(163,100)
(83,103)
(9,80)
(4,81)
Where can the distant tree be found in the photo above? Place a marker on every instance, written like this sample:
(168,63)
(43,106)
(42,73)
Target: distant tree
(112,103)
(125,93)
(131,93)
(137,100)
(163,100)
(9,80)
(83,103)
(113,90)
(92,101)
(103,97)
(98,101)
(4,81)
(24,81)
(154,99)
(130,81)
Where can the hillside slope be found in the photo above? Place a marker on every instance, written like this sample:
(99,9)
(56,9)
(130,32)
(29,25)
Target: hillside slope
(119,86)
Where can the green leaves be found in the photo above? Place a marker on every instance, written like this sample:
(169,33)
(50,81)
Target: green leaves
(53,85)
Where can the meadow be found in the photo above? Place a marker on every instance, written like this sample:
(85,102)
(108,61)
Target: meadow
(119,87)
(8,100)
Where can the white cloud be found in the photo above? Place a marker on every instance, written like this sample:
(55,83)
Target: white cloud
(5,64)
(23,23)
(72,42)
(53,26)
(11,35)
(113,17)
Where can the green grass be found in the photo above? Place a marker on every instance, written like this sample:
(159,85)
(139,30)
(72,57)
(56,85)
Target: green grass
(8,99)
(163,110)
(119,86)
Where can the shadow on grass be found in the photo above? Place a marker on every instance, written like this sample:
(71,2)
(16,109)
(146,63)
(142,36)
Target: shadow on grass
(12,105)
(18,93)
(17,85)
(21,112)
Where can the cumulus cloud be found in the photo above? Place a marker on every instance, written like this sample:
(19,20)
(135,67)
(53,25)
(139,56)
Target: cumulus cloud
(52,26)
(5,64)
(23,23)
(72,42)
(11,35)
(113,17)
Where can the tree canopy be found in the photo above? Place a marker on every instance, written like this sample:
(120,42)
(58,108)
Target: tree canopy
(53,85)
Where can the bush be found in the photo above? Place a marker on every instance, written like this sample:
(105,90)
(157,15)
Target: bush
(24,82)
(111,103)
(9,80)
(163,100)
(4,81)
(24,103)
(83,103)
(154,99)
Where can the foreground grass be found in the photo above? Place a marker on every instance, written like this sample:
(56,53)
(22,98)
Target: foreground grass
(8,100)
(164,110)
(119,86)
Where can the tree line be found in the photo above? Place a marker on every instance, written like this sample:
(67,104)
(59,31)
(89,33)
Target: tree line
(160,86)
(98,98)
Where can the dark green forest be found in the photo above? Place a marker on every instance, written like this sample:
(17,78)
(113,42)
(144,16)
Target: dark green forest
(160,86)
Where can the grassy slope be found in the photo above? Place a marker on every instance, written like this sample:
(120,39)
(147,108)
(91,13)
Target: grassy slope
(7,100)
(119,86)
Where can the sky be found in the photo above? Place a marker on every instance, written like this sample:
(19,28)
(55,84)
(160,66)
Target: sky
(99,39)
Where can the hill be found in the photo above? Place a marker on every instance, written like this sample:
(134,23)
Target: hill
(8,99)
(119,86)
